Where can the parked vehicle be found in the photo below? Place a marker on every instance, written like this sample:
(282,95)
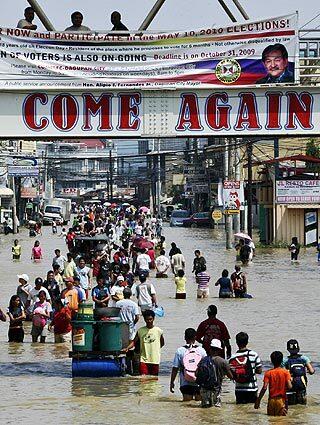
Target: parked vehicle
(200,219)
(177,217)
(58,209)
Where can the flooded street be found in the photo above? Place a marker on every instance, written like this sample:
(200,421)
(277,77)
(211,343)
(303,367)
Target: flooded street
(36,382)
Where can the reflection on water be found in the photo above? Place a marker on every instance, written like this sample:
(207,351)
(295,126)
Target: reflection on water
(37,378)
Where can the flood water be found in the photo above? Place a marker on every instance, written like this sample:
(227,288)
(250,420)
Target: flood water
(36,383)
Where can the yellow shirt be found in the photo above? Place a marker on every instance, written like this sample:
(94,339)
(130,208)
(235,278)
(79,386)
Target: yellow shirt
(150,344)
(16,250)
(69,269)
(180,285)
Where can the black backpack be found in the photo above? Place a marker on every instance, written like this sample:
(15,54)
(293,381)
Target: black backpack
(206,374)
(297,369)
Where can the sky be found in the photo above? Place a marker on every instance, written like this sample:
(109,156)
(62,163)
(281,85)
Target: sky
(174,14)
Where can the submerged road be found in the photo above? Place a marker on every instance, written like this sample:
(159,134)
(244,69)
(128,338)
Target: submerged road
(36,382)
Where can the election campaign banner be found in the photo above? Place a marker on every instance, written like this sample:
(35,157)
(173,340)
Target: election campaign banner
(260,52)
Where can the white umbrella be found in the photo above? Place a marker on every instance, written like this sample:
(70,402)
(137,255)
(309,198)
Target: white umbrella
(242,236)
(106,204)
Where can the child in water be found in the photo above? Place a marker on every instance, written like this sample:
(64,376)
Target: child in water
(16,250)
(36,253)
(294,249)
(180,281)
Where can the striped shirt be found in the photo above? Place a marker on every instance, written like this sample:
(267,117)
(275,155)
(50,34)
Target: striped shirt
(203,280)
(255,364)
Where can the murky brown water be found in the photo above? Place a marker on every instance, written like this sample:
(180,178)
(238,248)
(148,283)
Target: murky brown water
(36,383)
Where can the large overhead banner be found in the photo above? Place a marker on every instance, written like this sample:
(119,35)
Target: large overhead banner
(261,52)
(249,112)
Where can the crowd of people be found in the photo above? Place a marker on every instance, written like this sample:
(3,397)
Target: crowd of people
(114,271)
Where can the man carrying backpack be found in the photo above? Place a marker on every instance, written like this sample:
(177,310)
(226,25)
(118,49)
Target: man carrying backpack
(239,282)
(186,361)
(210,373)
(298,366)
(245,364)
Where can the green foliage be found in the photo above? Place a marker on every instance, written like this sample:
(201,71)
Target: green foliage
(313,149)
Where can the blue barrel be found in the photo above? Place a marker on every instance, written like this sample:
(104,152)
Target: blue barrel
(96,368)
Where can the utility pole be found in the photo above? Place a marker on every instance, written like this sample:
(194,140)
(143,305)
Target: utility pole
(227,173)
(249,187)
(111,175)
(14,206)
(236,220)
(158,179)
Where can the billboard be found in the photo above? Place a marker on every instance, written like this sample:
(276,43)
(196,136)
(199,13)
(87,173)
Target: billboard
(231,196)
(260,52)
(297,191)
(197,113)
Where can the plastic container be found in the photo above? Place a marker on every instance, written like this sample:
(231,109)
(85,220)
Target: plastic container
(85,311)
(110,334)
(96,368)
(82,335)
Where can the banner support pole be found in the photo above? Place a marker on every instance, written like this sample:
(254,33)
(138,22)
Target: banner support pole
(151,15)
(41,15)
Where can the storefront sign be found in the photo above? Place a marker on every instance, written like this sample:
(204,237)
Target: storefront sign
(220,56)
(28,192)
(297,191)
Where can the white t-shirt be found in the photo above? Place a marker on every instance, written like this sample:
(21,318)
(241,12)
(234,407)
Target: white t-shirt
(113,291)
(138,230)
(33,294)
(83,275)
(162,263)
(143,292)
(177,262)
(24,23)
(128,313)
(143,261)
(82,28)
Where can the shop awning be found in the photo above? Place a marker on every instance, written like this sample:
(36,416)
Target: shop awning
(5,192)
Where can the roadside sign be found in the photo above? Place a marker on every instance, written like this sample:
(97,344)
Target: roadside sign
(216,215)
(230,212)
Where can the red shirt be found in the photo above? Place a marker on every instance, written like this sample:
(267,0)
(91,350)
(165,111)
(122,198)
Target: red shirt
(211,329)
(62,321)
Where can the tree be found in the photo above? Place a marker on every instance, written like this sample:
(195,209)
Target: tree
(313,149)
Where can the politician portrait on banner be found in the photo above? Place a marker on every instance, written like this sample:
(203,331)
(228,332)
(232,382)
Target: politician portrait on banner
(262,52)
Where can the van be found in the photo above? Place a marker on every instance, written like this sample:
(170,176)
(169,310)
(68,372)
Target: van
(177,217)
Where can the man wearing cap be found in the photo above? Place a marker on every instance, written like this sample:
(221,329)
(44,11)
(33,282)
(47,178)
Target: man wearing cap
(211,391)
(116,292)
(71,295)
(212,328)
(298,366)
(24,288)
